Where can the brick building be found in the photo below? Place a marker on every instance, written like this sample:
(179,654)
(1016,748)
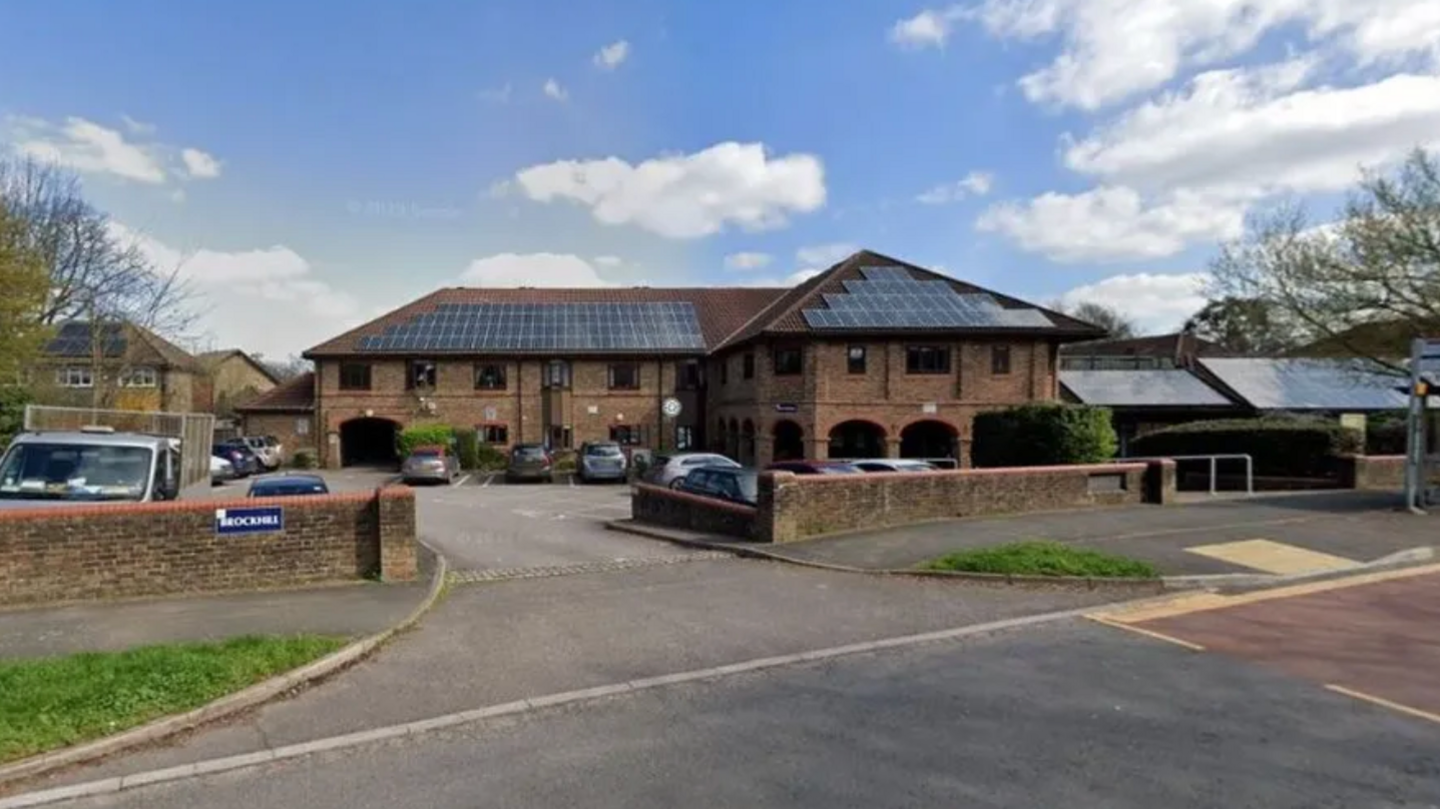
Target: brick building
(119,366)
(871,357)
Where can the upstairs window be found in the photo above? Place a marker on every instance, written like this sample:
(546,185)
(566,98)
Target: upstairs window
(747,366)
(557,374)
(420,375)
(489,376)
(74,377)
(687,375)
(725,370)
(139,378)
(624,376)
(355,376)
(855,360)
(789,360)
(999,360)
(927,360)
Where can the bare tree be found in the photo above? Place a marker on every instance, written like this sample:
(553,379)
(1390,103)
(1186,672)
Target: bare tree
(1112,320)
(1378,264)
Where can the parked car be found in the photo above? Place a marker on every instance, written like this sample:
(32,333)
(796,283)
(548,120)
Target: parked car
(266,449)
(221,470)
(529,462)
(239,454)
(601,460)
(287,486)
(667,470)
(816,467)
(736,484)
(430,464)
(94,464)
(894,465)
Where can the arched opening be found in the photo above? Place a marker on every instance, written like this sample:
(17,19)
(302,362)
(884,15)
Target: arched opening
(747,443)
(857,439)
(929,439)
(368,441)
(718,444)
(789,441)
(732,446)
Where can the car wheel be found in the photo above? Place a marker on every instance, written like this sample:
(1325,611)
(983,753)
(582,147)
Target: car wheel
(675,484)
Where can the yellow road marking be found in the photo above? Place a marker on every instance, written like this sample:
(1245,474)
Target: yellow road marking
(1273,557)
(1394,706)
(1201,602)
(1147,633)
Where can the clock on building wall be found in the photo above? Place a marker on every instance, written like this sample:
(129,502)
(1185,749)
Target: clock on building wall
(671,407)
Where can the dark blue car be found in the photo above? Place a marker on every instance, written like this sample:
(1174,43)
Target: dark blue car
(288,486)
(244,459)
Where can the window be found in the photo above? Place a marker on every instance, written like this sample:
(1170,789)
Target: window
(927,360)
(489,377)
(421,375)
(76,377)
(788,361)
(684,436)
(855,359)
(725,371)
(747,366)
(494,433)
(560,437)
(999,360)
(627,434)
(355,376)
(557,374)
(687,375)
(139,378)
(624,376)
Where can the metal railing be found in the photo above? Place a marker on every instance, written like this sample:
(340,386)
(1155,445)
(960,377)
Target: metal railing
(1214,463)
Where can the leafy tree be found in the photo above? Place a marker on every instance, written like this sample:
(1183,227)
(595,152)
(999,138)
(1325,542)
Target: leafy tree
(1108,318)
(23,288)
(1245,326)
(1379,263)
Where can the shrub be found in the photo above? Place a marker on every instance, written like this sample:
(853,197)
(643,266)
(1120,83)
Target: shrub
(489,457)
(1043,434)
(564,462)
(1385,434)
(1042,558)
(424,435)
(1280,447)
(304,459)
(467,447)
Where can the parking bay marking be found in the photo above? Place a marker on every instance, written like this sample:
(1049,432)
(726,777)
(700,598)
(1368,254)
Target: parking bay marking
(1273,557)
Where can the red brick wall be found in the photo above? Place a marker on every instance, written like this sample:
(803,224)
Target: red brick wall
(793,507)
(148,549)
(285,427)
(1372,472)
(660,506)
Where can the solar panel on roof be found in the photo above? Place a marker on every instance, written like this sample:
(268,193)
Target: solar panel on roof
(665,326)
(885,273)
(888,297)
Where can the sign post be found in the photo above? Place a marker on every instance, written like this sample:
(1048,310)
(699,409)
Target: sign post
(1424,358)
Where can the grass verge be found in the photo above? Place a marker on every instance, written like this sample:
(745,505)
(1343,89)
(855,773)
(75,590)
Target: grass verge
(1040,558)
(54,702)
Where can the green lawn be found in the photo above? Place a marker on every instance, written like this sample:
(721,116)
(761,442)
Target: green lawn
(1039,558)
(58,701)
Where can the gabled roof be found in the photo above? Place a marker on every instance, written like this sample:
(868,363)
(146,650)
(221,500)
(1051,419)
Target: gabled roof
(719,310)
(1153,345)
(786,314)
(119,341)
(291,396)
(1308,384)
(1169,387)
(213,359)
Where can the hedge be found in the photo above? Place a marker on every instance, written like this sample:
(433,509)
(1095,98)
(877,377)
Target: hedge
(1386,434)
(490,457)
(1280,447)
(1044,434)
(467,447)
(424,435)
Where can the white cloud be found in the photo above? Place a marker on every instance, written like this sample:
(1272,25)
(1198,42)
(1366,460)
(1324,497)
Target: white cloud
(300,310)
(824,256)
(200,165)
(748,261)
(1112,49)
(1156,302)
(613,55)
(497,95)
(554,90)
(533,270)
(686,196)
(929,28)
(977,183)
(90,148)
(609,261)
(1113,223)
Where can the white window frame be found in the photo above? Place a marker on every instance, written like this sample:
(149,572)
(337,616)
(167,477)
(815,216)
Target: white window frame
(74,376)
(140,377)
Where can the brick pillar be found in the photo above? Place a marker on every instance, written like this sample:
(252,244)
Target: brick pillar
(818,448)
(1160,482)
(771,522)
(764,449)
(892,446)
(395,526)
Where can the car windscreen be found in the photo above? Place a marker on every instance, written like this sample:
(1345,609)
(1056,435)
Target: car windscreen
(425,453)
(529,453)
(75,472)
(603,450)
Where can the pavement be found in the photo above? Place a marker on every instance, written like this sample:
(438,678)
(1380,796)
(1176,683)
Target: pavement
(1278,534)
(1068,714)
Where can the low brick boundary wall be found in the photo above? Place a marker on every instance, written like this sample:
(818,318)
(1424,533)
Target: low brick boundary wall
(148,549)
(660,506)
(1372,471)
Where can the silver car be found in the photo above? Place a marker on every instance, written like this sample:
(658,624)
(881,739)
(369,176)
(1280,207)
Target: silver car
(668,470)
(600,460)
(430,465)
(266,448)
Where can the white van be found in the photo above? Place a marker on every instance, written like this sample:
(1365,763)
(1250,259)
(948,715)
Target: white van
(88,466)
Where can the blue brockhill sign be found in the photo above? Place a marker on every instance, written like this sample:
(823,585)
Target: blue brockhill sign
(249,520)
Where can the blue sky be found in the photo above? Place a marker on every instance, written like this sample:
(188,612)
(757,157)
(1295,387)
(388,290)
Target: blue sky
(311,165)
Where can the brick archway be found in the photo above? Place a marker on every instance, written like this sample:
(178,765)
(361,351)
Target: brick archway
(930,438)
(368,441)
(789,440)
(857,439)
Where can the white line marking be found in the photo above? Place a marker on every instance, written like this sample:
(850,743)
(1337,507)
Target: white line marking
(572,482)
(488,479)
(461,481)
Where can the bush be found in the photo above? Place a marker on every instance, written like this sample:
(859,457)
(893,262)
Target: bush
(564,462)
(467,447)
(13,399)
(304,459)
(424,435)
(489,457)
(1385,434)
(1280,447)
(1041,558)
(1044,434)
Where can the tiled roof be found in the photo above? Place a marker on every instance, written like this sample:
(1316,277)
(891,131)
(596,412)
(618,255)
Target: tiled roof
(292,395)
(721,310)
(1154,345)
(212,360)
(1142,388)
